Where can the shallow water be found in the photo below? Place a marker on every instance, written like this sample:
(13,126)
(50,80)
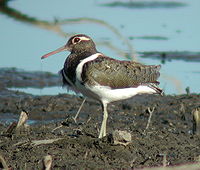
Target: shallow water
(44,91)
(23,44)
(9,118)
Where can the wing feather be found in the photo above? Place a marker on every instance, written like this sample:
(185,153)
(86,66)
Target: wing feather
(119,74)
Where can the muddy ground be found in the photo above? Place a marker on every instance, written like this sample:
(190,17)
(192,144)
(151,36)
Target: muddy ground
(169,138)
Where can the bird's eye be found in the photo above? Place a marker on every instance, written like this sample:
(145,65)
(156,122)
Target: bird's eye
(76,40)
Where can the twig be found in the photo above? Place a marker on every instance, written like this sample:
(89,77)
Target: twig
(57,128)
(11,128)
(37,142)
(47,162)
(16,126)
(196,120)
(45,141)
(88,120)
(165,163)
(22,119)
(191,166)
(3,162)
(149,120)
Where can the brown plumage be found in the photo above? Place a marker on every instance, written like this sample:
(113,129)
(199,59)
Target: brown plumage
(119,74)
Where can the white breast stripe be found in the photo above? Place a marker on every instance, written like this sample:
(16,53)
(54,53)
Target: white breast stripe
(80,65)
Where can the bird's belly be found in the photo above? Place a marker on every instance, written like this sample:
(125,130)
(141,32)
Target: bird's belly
(105,93)
(86,91)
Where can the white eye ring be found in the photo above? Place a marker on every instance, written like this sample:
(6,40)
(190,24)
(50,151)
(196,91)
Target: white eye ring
(76,40)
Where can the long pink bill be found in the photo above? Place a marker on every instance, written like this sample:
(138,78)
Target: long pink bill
(64,48)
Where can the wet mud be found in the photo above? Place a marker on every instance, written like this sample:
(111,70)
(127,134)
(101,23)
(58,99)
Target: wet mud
(51,130)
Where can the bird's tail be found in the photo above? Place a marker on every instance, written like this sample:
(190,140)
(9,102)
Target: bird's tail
(156,88)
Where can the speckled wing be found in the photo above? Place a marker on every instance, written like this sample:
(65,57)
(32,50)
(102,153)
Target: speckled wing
(119,74)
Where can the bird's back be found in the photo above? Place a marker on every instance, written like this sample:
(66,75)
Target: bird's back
(119,74)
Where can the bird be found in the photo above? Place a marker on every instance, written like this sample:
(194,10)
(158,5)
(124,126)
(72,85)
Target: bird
(102,78)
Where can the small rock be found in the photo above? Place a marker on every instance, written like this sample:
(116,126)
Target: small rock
(120,137)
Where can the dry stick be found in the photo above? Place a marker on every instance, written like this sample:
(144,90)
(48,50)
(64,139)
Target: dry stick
(149,120)
(3,162)
(196,121)
(164,160)
(88,120)
(37,142)
(47,162)
(22,119)
(79,110)
(44,141)
(57,128)
(16,125)
(191,166)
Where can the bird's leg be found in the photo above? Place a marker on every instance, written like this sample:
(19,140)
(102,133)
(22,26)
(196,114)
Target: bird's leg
(79,110)
(105,116)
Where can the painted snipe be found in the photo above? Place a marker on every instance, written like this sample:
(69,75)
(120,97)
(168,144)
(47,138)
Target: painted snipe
(104,79)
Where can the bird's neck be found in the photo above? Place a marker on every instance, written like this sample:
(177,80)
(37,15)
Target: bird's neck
(84,52)
(73,60)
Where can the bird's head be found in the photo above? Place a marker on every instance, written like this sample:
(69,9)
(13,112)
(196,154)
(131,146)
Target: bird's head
(76,44)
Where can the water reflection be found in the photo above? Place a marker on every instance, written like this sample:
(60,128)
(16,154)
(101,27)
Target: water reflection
(148,37)
(145,4)
(173,55)
(56,27)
